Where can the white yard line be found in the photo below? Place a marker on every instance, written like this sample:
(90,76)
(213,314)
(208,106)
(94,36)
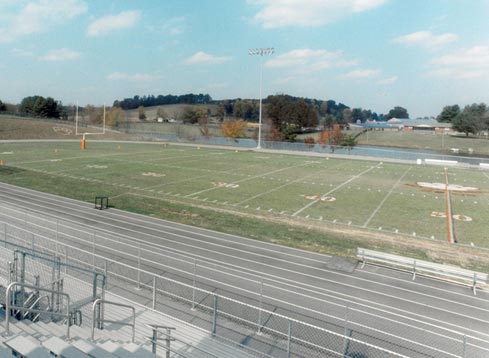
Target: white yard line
(332,190)
(250,178)
(214,172)
(282,186)
(385,198)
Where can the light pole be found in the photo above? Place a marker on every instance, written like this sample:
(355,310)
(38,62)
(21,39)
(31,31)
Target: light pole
(261,52)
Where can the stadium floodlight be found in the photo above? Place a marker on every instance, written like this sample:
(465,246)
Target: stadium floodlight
(260,52)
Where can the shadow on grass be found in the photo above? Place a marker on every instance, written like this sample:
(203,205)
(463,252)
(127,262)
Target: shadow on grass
(6,170)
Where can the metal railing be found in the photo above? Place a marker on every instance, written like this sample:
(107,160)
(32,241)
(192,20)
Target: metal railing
(423,267)
(9,305)
(154,338)
(136,275)
(33,305)
(236,312)
(96,317)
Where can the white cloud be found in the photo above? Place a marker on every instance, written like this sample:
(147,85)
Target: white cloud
(61,54)
(135,77)
(204,58)
(174,26)
(110,23)
(426,38)
(388,81)
(38,16)
(472,63)
(21,53)
(475,56)
(308,13)
(310,60)
(361,74)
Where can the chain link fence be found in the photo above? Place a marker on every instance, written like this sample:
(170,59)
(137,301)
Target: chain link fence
(184,287)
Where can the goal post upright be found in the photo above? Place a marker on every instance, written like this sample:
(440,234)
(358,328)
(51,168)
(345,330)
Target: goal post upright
(84,134)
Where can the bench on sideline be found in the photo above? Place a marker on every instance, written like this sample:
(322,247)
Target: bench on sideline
(441,271)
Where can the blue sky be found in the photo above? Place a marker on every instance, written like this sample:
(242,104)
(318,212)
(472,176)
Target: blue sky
(374,54)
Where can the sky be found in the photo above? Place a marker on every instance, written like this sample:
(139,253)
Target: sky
(374,54)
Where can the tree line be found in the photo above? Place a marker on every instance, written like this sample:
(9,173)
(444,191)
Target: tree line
(473,119)
(160,100)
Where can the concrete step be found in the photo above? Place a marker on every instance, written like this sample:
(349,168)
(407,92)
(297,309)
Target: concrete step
(54,329)
(62,349)
(117,350)
(27,346)
(91,349)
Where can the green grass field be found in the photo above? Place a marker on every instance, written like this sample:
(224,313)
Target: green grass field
(281,198)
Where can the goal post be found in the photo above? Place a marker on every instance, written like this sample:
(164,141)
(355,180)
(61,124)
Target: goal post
(85,133)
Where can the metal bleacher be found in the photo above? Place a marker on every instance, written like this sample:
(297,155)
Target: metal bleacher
(112,336)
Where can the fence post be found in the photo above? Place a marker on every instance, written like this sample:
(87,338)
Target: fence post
(260,306)
(93,250)
(414,270)
(56,241)
(474,284)
(154,292)
(139,267)
(464,348)
(346,344)
(193,284)
(214,316)
(289,336)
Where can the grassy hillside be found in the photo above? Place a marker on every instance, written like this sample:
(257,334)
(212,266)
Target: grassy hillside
(174,111)
(32,128)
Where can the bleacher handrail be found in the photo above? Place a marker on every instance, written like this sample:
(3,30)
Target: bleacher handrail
(9,306)
(231,300)
(96,320)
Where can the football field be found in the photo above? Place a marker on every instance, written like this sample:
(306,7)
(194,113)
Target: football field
(405,200)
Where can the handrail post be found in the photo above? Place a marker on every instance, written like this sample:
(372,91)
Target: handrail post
(168,340)
(154,340)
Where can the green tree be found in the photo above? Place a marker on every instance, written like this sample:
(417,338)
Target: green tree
(285,111)
(448,113)
(141,113)
(398,112)
(193,115)
(115,116)
(348,140)
(160,113)
(39,106)
(3,107)
(472,119)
